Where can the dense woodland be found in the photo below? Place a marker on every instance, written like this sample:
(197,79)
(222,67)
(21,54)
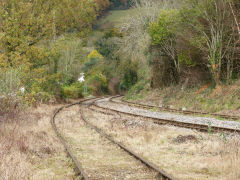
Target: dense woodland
(45,46)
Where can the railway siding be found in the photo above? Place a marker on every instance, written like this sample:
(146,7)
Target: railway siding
(185,153)
(168,109)
(161,174)
(203,123)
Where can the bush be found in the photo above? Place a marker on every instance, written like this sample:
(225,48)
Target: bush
(95,55)
(137,89)
(10,106)
(185,58)
(112,33)
(90,65)
(130,76)
(97,83)
(107,46)
(73,91)
(165,28)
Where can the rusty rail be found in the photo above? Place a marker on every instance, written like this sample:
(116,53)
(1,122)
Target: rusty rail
(162,175)
(200,127)
(188,112)
(79,169)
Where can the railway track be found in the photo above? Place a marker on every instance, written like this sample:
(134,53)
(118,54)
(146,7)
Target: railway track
(162,175)
(167,109)
(79,169)
(200,127)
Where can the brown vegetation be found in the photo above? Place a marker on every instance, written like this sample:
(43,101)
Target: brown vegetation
(185,153)
(29,148)
(223,99)
(100,158)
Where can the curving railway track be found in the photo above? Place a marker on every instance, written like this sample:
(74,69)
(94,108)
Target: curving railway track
(162,175)
(185,124)
(167,109)
(79,169)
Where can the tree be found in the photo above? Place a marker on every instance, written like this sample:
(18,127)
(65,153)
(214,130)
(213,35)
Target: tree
(28,28)
(213,33)
(23,25)
(233,6)
(164,34)
(75,15)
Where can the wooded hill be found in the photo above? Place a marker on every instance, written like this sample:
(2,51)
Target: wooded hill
(46,44)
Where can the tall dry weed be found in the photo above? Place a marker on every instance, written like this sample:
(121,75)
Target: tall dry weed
(12,164)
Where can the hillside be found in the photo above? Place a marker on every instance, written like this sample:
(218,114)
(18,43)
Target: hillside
(70,71)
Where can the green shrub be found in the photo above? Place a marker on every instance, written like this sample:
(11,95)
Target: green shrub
(112,33)
(185,58)
(165,28)
(73,91)
(90,64)
(130,76)
(33,97)
(107,46)
(97,82)
(137,88)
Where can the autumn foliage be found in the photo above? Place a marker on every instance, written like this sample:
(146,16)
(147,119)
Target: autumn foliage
(28,30)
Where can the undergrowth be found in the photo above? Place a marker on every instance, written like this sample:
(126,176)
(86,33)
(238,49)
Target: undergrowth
(223,98)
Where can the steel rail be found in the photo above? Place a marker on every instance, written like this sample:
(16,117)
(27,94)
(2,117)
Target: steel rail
(79,168)
(102,112)
(199,127)
(188,112)
(162,175)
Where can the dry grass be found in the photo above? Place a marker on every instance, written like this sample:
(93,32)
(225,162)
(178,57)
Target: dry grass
(202,157)
(29,148)
(222,99)
(9,108)
(100,158)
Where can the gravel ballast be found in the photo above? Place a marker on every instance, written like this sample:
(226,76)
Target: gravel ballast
(169,116)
